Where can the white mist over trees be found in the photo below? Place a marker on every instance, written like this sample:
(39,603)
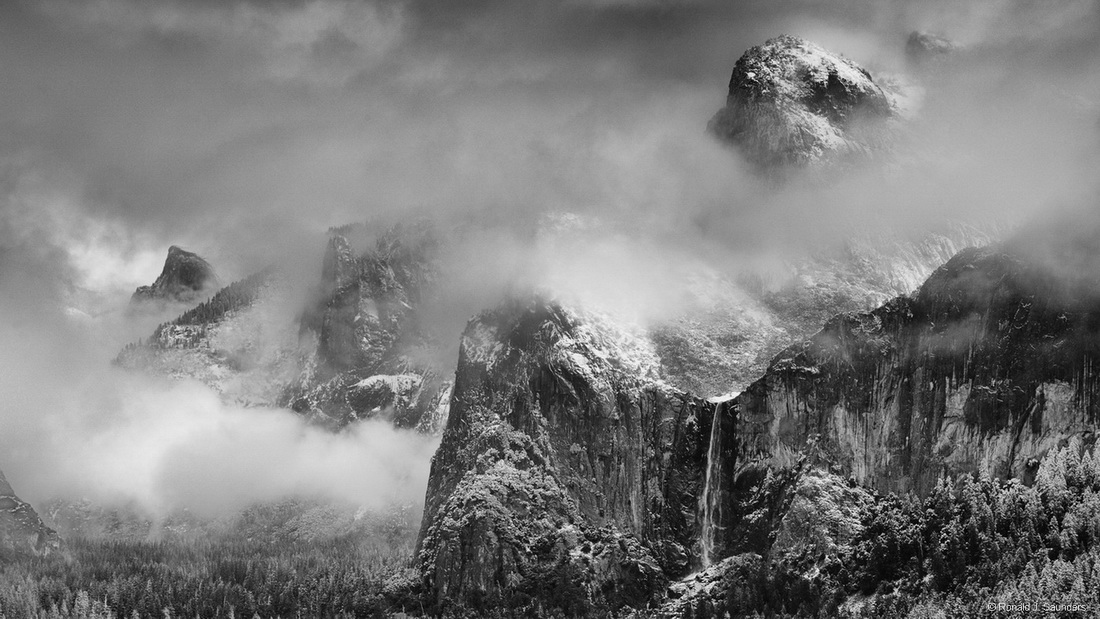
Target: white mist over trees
(244,130)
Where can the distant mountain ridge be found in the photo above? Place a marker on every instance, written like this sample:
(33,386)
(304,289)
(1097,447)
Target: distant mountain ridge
(357,350)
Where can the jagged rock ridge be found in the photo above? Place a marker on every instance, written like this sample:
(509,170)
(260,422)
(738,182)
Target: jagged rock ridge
(792,103)
(241,342)
(374,357)
(184,279)
(358,350)
(21,529)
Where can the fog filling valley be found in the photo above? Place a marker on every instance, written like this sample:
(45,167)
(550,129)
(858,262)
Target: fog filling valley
(244,130)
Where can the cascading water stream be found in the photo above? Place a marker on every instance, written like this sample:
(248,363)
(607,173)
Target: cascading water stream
(711,500)
(709,503)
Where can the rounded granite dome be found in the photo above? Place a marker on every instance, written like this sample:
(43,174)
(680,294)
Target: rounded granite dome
(791,102)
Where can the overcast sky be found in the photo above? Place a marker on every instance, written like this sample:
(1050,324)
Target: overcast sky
(128,125)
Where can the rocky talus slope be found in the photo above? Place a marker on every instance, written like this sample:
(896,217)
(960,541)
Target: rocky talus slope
(21,530)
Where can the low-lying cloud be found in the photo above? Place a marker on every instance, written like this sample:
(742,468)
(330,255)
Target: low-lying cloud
(74,427)
(243,130)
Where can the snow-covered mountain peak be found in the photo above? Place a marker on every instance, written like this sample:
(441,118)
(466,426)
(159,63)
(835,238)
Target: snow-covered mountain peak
(792,102)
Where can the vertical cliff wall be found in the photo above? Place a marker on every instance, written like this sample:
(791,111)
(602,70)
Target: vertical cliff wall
(567,472)
(991,364)
(373,355)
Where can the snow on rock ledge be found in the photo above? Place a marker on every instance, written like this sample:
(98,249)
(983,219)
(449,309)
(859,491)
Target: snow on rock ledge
(568,473)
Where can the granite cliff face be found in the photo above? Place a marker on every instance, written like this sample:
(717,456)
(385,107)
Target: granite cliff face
(374,356)
(358,350)
(574,445)
(565,459)
(990,365)
(568,475)
(577,472)
(792,103)
(21,530)
(184,279)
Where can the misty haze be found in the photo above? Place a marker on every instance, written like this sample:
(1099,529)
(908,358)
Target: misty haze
(593,308)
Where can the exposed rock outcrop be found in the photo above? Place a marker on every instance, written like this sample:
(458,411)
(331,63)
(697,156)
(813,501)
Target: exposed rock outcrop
(359,350)
(793,104)
(560,433)
(184,279)
(242,342)
(374,356)
(568,476)
(990,365)
(812,535)
(923,48)
(21,530)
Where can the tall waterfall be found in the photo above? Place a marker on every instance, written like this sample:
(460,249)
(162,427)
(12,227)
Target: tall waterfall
(711,502)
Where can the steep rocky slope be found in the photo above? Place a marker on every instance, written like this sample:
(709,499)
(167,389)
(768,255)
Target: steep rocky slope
(357,350)
(184,279)
(577,471)
(361,347)
(566,460)
(986,368)
(792,103)
(730,327)
(21,529)
(568,474)
(571,435)
(242,342)
(374,357)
